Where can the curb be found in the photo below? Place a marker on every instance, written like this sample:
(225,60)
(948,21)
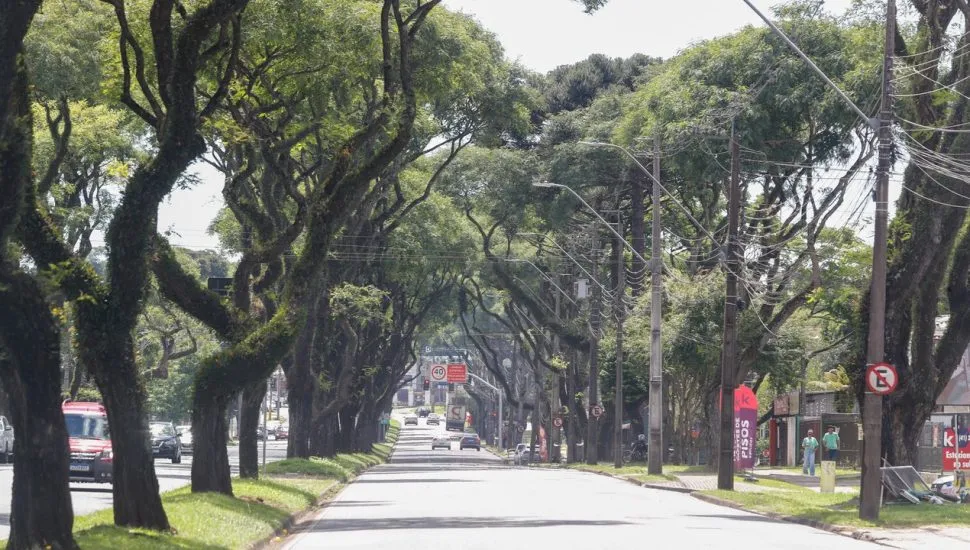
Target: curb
(285,530)
(645,485)
(845,532)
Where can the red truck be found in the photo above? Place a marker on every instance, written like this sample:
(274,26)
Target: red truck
(90,441)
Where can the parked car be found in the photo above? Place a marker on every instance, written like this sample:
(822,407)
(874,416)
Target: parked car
(441,441)
(282,432)
(165,441)
(522,455)
(470,441)
(411,419)
(89,441)
(433,420)
(186,438)
(6,440)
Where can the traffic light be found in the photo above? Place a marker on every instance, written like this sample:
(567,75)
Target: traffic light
(427,384)
(451,386)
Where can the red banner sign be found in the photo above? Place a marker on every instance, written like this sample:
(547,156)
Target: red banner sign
(457,373)
(956,448)
(745,427)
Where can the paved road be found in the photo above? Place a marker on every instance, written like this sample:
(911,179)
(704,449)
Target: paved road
(467,500)
(91,497)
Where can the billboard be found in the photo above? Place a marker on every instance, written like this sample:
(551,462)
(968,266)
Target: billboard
(956,449)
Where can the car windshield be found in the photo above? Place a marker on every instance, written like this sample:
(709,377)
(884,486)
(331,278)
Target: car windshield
(162,430)
(83,426)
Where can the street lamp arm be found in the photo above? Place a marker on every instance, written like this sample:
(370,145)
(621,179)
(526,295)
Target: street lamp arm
(544,276)
(563,250)
(683,208)
(595,213)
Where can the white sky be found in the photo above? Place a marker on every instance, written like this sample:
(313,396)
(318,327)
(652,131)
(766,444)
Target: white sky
(541,34)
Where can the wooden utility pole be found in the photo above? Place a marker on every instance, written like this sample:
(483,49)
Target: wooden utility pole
(592,423)
(869,500)
(729,350)
(619,311)
(655,451)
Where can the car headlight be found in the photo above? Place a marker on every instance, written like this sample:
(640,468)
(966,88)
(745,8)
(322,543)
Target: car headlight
(106,455)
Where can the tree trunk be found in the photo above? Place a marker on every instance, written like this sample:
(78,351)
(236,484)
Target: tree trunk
(323,436)
(345,437)
(248,428)
(210,459)
(41,514)
(300,390)
(137,502)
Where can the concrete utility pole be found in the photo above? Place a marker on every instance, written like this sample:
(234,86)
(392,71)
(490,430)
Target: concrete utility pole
(655,452)
(618,397)
(592,423)
(729,351)
(869,500)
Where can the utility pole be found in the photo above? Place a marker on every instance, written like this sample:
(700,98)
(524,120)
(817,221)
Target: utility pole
(729,351)
(869,500)
(592,423)
(655,450)
(618,397)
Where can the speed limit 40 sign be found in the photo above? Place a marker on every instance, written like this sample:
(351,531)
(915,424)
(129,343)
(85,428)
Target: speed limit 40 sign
(438,373)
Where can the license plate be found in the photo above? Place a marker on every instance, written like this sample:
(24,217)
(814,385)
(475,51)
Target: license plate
(80,467)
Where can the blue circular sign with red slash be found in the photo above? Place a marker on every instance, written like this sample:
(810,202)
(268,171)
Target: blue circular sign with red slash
(881,378)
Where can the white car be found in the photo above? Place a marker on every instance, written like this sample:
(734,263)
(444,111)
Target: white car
(411,419)
(441,441)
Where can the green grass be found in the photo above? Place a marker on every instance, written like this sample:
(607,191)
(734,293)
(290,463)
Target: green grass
(637,472)
(842,508)
(315,466)
(209,520)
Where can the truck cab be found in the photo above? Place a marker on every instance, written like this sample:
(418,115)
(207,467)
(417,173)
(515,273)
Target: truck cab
(89,441)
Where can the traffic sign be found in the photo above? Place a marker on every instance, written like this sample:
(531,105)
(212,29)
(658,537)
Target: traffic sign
(457,373)
(557,422)
(881,378)
(596,411)
(438,373)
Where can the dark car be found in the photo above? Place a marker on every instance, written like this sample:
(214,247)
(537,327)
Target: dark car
(470,441)
(165,442)
(424,412)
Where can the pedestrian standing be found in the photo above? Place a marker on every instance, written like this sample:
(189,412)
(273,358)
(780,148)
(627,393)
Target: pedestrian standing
(809,444)
(831,443)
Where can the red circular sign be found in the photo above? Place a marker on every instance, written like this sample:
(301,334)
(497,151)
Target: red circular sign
(881,378)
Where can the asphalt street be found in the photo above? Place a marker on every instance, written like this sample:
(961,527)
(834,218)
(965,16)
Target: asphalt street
(468,500)
(91,497)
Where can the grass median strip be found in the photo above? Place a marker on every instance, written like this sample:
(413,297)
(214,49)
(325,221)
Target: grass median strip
(209,520)
(259,508)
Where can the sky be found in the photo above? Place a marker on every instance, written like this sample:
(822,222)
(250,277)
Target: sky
(540,34)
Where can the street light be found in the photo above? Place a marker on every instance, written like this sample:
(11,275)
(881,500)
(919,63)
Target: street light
(595,213)
(563,250)
(544,276)
(655,449)
(621,272)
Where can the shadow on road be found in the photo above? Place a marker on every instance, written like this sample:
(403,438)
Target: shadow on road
(379,524)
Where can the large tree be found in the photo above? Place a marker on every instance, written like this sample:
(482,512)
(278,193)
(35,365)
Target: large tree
(41,512)
(163,89)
